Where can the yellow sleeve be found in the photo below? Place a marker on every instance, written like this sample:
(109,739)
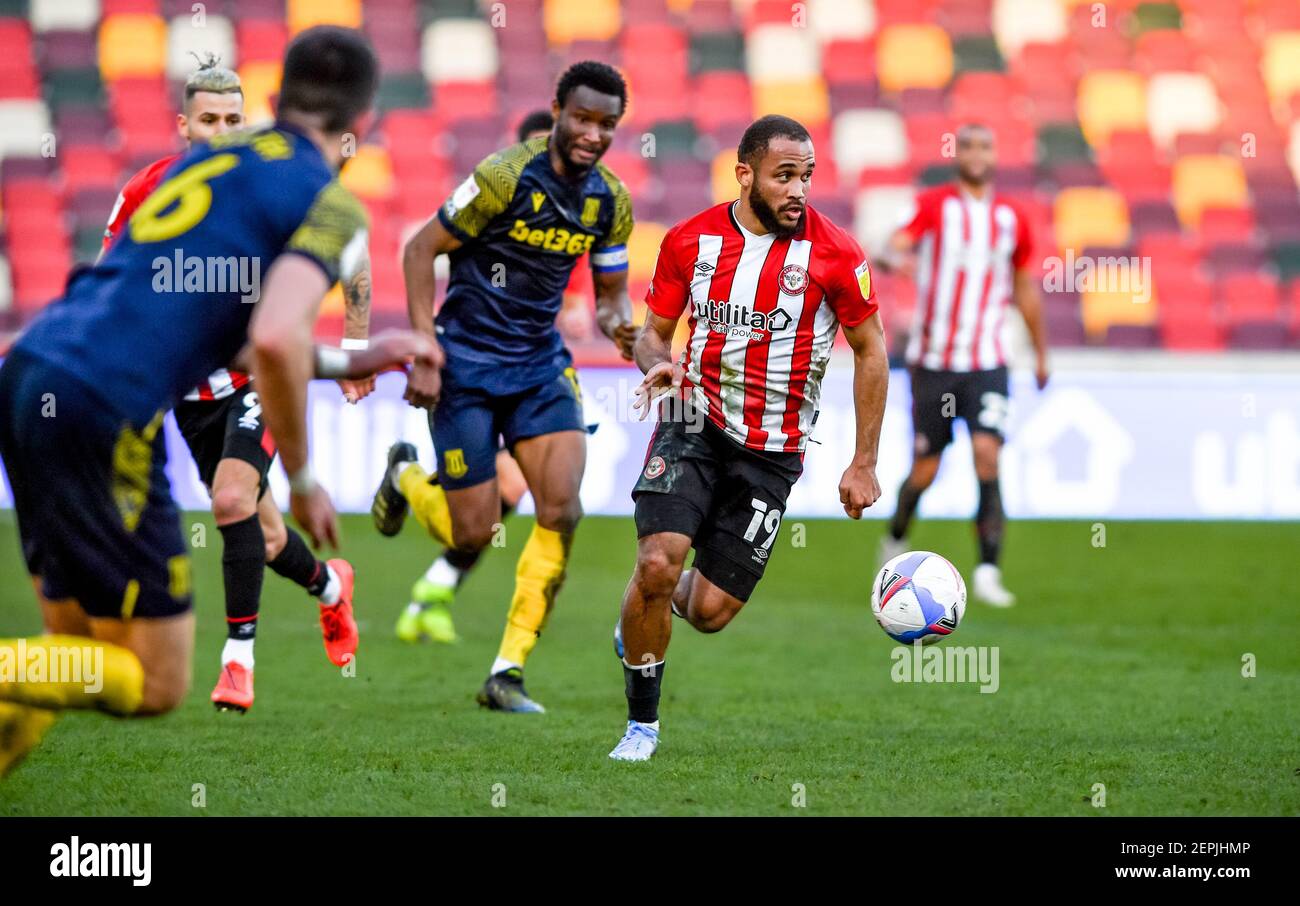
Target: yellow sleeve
(334,233)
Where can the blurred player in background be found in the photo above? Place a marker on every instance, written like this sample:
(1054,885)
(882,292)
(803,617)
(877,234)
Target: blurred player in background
(515,230)
(428,616)
(221,421)
(767,281)
(969,249)
(84,389)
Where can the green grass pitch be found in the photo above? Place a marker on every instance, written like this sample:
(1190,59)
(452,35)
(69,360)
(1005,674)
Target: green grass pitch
(1121,666)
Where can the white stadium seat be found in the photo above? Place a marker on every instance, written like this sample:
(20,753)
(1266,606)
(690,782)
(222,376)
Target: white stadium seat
(1181,102)
(458,50)
(878,212)
(1019,22)
(64,15)
(23,127)
(781,53)
(842,20)
(184,39)
(868,138)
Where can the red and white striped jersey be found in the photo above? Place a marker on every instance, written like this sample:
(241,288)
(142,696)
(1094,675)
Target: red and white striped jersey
(221,383)
(763,317)
(968,250)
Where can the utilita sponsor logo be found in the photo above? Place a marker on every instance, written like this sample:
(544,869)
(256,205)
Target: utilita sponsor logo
(75,859)
(740,320)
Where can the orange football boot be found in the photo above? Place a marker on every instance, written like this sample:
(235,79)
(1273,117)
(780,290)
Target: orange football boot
(337,626)
(234,690)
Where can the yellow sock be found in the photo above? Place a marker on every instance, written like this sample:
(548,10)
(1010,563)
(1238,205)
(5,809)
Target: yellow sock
(21,728)
(62,672)
(538,577)
(428,503)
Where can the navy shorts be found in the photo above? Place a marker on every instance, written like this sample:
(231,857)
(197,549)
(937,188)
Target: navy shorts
(95,512)
(469,424)
(979,398)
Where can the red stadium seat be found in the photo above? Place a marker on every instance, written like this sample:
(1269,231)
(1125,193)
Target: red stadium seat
(1249,297)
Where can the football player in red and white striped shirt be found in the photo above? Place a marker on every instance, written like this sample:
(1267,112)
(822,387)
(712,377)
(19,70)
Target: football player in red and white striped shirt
(221,421)
(766,282)
(969,248)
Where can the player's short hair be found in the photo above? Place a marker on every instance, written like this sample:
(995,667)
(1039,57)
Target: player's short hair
(331,72)
(595,75)
(211,77)
(753,144)
(537,120)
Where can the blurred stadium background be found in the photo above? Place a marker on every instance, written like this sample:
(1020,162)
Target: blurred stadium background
(1167,130)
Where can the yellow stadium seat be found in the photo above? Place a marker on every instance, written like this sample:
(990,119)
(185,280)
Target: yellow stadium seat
(1281,65)
(724,176)
(805,101)
(369,174)
(260,80)
(1085,216)
(567,21)
(643,248)
(913,56)
(1203,181)
(303,14)
(132,44)
(1111,99)
(1103,307)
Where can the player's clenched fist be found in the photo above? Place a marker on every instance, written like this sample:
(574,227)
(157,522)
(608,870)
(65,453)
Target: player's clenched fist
(663,376)
(859,488)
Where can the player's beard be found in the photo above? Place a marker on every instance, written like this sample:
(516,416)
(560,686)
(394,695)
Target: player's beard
(767,216)
(565,142)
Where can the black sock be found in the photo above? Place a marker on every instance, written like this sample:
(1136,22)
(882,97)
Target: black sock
(243,557)
(297,564)
(908,497)
(989,519)
(642,687)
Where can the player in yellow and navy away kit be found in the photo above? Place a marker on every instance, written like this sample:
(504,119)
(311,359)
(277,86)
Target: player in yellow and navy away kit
(514,230)
(251,228)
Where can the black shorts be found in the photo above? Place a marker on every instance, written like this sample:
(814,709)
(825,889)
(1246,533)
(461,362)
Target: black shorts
(95,512)
(728,499)
(978,398)
(228,428)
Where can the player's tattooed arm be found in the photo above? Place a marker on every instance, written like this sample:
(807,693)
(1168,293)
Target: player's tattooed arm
(356,325)
(1025,296)
(614,310)
(653,354)
(432,239)
(859,487)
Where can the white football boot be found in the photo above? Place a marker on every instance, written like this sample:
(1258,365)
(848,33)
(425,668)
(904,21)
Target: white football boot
(987,580)
(638,743)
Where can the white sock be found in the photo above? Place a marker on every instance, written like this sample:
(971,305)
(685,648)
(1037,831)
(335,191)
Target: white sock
(398,469)
(240,651)
(333,588)
(501,665)
(654,725)
(443,574)
(414,607)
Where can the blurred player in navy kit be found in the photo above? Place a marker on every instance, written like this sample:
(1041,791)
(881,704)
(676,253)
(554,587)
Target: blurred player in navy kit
(514,231)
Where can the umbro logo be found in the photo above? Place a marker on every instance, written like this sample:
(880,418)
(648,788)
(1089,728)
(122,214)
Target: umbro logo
(703,267)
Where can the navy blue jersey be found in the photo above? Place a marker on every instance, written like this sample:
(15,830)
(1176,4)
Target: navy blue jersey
(172,298)
(523,227)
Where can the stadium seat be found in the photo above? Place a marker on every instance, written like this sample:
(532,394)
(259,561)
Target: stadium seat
(1187,316)
(261,40)
(1203,181)
(260,80)
(1220,225)
(878,212)
(458,50)
(369,174)
(217,36)
(1019,22)
(567,21)
(841,20)
(132,45)
(64,15)
(1086,216)
(24,125)
(868,139)
(303,14)
(1110,100)
(913,56)
(1280,65)
(6,286)
(781,53)
(643,249)
(1249,297)
(806,101)
(1180,102)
